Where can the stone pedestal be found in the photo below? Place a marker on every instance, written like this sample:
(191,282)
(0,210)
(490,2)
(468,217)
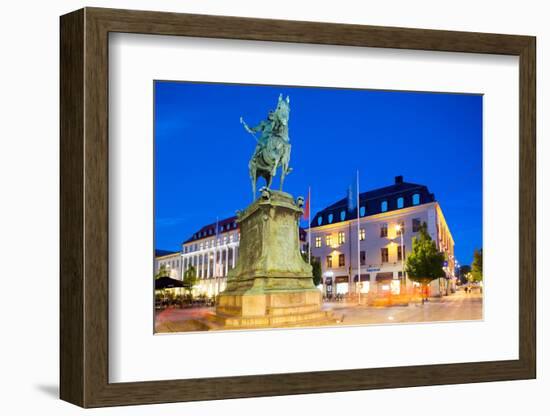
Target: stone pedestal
(271,285)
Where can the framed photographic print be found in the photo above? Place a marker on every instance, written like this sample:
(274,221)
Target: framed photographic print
(255,207)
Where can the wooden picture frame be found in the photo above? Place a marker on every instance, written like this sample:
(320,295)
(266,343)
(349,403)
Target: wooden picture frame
(84,207)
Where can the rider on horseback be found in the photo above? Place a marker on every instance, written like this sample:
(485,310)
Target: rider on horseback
(273,146)
(265,128)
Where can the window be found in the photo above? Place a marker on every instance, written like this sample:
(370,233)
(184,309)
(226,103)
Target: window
(330,217)
(383,230)
(400,228)
(362,211)
(329,262)
(328,240)
(341,260)
(319,220)
(362,234)
(399,255)
(416,225)
(384,254)
(384,206)
(341,237)
(342,215)
(416,199)
(317,242)
(362,257)
(400,202)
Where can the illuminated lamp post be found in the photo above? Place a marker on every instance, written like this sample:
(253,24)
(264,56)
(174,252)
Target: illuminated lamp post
(399,231)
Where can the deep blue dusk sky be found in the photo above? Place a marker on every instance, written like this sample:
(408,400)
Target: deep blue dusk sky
(202,151)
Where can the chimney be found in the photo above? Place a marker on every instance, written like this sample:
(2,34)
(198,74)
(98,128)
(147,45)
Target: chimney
(398,179)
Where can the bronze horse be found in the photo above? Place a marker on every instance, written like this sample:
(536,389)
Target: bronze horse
(272,148)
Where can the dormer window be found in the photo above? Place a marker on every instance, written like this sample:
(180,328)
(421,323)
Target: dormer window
(400,202)
(342,215)
(384,206)
(416,199)
(330,217)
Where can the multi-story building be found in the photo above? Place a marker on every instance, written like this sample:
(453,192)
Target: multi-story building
(170,260)
(213,253)
(389,218)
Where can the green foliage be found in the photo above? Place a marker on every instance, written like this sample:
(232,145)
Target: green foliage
(163,272)
(463,273)
(316,267)
(477,266)
(317,271)
(190,278)
(425,262)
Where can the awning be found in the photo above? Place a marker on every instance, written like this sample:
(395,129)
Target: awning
(384,276)
(341,279)
(365,277)
(166,282)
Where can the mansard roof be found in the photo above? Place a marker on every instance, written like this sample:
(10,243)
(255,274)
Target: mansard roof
(370,202)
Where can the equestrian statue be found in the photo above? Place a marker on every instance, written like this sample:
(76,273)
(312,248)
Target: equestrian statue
(272,147)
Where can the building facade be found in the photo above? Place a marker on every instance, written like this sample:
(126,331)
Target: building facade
(389,218)
(170,260)
(213,250)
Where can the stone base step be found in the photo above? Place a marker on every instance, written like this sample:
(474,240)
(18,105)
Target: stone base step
(225,322)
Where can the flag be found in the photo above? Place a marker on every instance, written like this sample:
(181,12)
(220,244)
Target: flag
(306,213)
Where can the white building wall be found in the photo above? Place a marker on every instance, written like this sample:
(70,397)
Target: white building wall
(372,245)
(173,264)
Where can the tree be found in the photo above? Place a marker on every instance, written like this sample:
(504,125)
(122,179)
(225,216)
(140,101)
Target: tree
(163,272)
(425,262)
(190,278)
(477,266)
(464,270)
(316,268)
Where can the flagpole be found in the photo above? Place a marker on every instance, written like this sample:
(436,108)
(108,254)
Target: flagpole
(309,226)
(216,257)
(358,243)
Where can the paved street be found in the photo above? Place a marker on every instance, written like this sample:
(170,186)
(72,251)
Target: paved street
(456,307)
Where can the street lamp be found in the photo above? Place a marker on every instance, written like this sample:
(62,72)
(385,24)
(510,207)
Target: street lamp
(398,230)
